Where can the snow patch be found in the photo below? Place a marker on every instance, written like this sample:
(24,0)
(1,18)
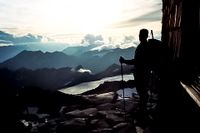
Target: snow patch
(128,93)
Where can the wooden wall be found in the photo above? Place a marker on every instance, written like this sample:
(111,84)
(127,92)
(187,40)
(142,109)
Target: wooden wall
(181,31)
(172,22)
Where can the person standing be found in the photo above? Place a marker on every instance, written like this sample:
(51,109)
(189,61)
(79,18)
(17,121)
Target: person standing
(141,68)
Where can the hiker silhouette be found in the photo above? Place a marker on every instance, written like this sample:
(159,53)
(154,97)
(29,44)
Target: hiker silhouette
(140,62)
(150,67)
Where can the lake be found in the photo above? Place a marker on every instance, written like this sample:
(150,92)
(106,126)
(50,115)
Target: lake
(86,86)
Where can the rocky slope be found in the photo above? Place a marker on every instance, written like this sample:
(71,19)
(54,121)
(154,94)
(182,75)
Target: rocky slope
(97,111)
(104,114)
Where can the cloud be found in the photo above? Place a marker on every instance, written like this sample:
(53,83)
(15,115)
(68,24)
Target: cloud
(145,18)
(6,28)
(37,16)
(92,39)
(128,39)
(6,37)
(84,71)
(80,69)
(103,47)
(148,17)
(5,42)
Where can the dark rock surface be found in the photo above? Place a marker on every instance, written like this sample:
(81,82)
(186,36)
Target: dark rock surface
(101,115)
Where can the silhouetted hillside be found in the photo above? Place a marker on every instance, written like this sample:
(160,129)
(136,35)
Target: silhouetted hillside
(114,70)
(7,52)
(49,79)
(99,61)
(77,50)
(107,87)
(96,61)
(37,59)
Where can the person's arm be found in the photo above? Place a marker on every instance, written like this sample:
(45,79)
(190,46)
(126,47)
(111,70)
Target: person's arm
(128,62)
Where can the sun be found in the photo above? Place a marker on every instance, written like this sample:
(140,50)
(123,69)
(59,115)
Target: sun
(82,15)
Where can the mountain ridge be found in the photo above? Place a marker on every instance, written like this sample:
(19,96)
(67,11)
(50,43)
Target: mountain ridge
(89,60)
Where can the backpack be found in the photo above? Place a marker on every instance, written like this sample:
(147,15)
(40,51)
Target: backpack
(157,63)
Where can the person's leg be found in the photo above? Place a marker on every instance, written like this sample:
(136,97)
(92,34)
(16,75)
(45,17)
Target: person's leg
(143,99)
(143,94)
(142,114)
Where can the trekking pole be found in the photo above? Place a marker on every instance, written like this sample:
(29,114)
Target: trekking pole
(122,86)
(152,34)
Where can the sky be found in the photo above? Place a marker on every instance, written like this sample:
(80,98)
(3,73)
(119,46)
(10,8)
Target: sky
(70,20)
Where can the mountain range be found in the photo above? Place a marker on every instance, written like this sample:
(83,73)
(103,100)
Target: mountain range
(26,61)
(51,78)
(96,61)
(11,45)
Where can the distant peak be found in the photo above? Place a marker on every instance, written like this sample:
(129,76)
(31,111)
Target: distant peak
(30,52)
(78,67)
(113,65)
(4,33)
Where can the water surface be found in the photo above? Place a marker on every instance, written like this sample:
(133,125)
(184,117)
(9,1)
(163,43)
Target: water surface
(86,86)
